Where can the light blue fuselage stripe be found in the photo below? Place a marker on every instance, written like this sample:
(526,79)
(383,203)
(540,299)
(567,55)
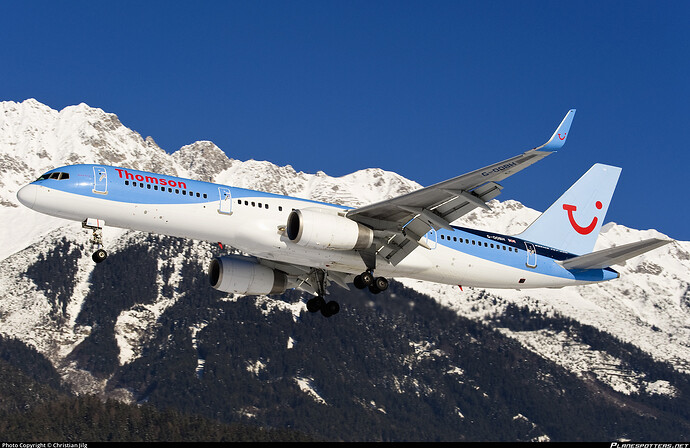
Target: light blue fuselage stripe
(142,189)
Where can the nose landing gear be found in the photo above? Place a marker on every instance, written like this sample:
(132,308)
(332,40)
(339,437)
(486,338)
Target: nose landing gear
(96,225)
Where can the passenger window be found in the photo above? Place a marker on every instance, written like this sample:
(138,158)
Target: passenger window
(184,192)
(177,191)
(204,195)
(148,186)
(126,182)
(280,208)
(197,194)
(169,190)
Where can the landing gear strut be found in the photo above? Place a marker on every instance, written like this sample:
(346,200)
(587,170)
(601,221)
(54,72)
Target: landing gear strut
(318,303)
(96,238)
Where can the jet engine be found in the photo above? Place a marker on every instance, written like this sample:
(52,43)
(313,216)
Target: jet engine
(325,229)
(243,275)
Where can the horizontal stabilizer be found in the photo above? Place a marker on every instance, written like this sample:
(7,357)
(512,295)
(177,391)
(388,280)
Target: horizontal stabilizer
(613,255)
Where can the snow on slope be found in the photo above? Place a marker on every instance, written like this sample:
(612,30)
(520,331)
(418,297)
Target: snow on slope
(649,306)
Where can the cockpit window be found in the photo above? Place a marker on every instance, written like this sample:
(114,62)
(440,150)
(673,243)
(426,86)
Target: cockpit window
(54,175)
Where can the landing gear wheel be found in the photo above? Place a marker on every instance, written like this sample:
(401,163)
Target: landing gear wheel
(329,309)
(315,304)
(359,284)
(99,255)
(367,278)
(374,290)
(381,283)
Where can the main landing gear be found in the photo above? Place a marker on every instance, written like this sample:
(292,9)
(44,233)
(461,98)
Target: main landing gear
(96,226)
(366,279)
(318,279)
(327,309)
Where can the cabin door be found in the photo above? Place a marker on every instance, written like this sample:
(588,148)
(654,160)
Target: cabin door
(531,255)
(225,205)
(100,180)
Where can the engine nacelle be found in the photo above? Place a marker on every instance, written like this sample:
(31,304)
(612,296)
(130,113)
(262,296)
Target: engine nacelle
(242,275)
(325,229)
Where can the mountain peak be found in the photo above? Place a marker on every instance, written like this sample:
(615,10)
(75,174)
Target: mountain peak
(201,160)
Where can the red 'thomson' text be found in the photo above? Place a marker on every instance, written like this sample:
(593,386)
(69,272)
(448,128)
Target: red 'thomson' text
(150,179)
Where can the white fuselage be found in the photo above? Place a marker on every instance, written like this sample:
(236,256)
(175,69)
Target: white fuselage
(255,224)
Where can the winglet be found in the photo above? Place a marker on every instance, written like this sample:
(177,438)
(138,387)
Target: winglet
(557,140)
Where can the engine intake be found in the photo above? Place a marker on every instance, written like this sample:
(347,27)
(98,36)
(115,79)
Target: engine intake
(242,275)
(325,229)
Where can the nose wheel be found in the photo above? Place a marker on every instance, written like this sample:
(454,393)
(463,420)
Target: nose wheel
(99,255)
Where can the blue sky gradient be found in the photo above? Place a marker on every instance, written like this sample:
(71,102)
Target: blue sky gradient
(429,90)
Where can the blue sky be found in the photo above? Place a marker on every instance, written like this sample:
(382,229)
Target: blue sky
(429,90)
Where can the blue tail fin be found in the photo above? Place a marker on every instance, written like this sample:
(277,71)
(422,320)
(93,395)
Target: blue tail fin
(572,223)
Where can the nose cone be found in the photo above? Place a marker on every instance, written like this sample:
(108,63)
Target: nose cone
(27,195)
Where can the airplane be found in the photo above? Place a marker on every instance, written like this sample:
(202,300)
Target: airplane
(287,243)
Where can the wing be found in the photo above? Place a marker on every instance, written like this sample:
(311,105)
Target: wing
(399,223)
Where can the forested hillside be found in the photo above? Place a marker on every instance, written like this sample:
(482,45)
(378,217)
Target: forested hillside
(393,367)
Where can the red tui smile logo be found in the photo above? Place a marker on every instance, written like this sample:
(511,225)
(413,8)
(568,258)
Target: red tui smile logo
(564,134)
(579,229)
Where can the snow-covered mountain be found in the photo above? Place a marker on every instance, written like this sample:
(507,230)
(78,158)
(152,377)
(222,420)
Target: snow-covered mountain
(649,306)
